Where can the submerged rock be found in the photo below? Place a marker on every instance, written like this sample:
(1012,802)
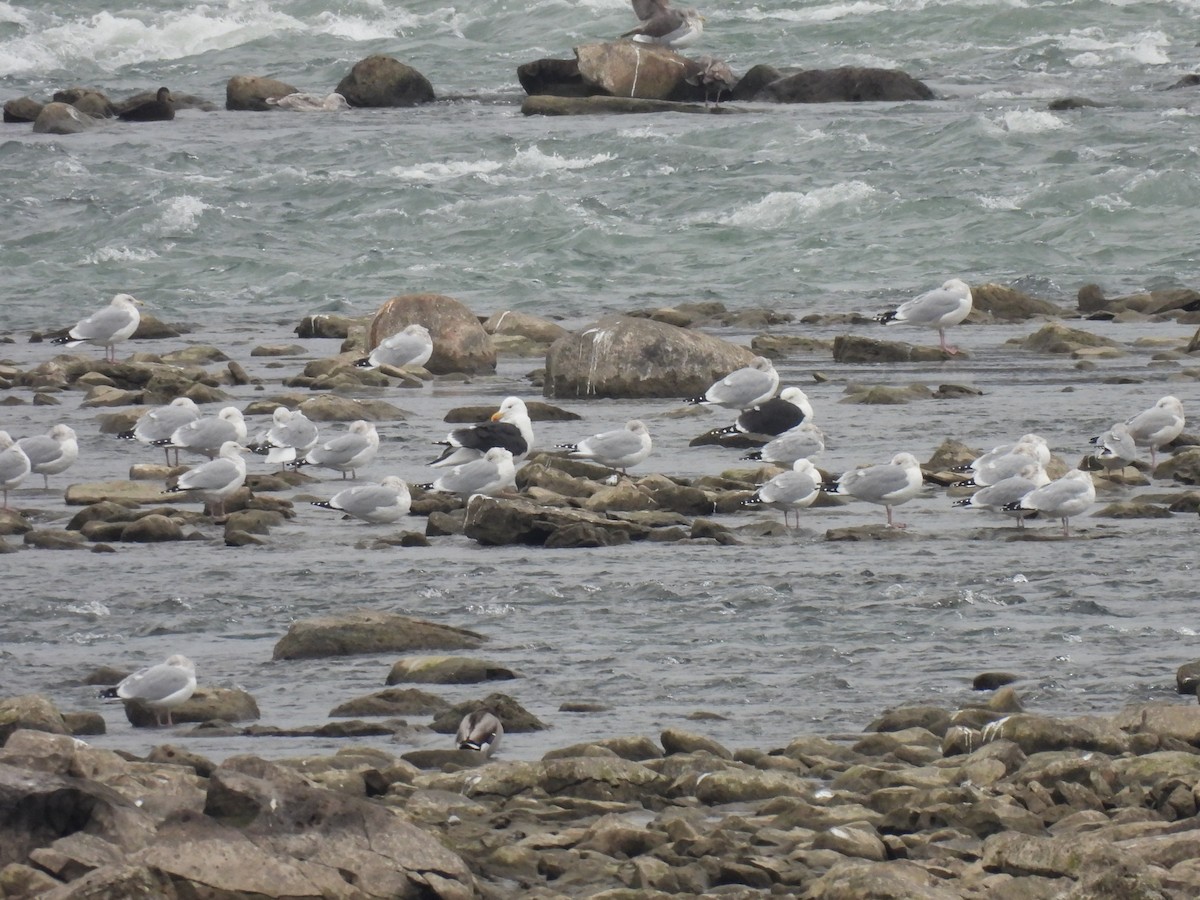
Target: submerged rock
(382,81)
(251,92)
(370,631)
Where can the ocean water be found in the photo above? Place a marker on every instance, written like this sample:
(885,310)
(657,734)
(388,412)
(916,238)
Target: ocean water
(238,224)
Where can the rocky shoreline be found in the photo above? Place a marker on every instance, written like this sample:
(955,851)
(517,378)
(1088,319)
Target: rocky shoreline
(987,801)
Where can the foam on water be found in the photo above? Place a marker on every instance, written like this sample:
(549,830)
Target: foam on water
(781,208)
(179,215)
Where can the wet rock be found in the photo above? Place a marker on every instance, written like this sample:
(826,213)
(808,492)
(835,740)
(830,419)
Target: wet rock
(1054,337)
(152,529)
(536,328)
(1163,719)
(251,92)
(858,842)
(850,348)
(395,702)
(447,670)
(629,69)
(516,718)
(333,408)
(1187,677)
(1183,467)
(205,705)
(620,356)
(883,395)
(1007,304)
(62,118)
(1063,104)
(22,109)
(12,522)
(382,81)
(1133,509)
(54,540)
(370,631)
(327,326)
(636,748)
(29,711)
(494,521)
(676,740)
(459,342)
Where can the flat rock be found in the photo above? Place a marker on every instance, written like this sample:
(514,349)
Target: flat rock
(447,670)
(370,631)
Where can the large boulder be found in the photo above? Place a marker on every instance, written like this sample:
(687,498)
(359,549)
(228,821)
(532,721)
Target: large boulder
(1010,305)
(383,81)
(620,356)
(459,342)
(62,118)
(22,109)
(369,631)
(498,522)
(615,69)
(88,101)
(849,84)
(250,92)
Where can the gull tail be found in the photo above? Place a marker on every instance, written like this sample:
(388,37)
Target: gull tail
(108,693)
(754,454)
(886,317)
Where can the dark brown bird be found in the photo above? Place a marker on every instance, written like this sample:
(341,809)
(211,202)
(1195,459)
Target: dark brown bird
(160,109)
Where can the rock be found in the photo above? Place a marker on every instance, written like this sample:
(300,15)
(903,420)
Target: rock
(1054,337)
(630,69)
(54,540)
(30,711)
(395,702)
(622,357)
(369,631)
(850,348)
(381,81)
(22,109)
(251,92)
(151,529)
(860,842)
(989,681)
(495,521)
(676,740)
(205,705)
(849,84)
(447,670)
(1063,104)
(1183,467)
(459,342)
(334,408)
(327,326)
(1008,304)
(1163,719)
(516,718)
(1187,677)
(535,328)
(884,395)
(62,118)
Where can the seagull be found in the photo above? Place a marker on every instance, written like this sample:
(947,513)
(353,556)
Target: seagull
(773,417)
(998,496)
(378,504)
(802,442)
(713,73)
(14,465)
(666,25)
(888,485)
(617,449)
(1115,449)
(305,102)
(208,434)
(993,467)
(1157,426)
(1036,441)
(491,474)
(291,434)
(156,426)
(743,388)
(939,308)
(106,327)
(348,452)
(51,453)
(509,427)
(481,731)
(161,687)
(411,347)
(1061,499)
(793,490)
(216,480)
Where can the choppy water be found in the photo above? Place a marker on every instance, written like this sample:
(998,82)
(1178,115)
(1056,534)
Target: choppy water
(240,223)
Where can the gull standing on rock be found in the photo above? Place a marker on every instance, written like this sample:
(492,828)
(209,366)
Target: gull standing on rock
(291,434)
(774,416)
(411,347)
(663,24)
(106,327)
(617,449)
(216,480)
(490,475)
(14,465)
(887,485)
(346,453)
(1157,426)
(1115,449)
(378,504)
(51,453)
(480,730)
(509,427)
(207,435)
(994,466)
(716,73)
(157,426)
(939,308)
(794,490)
(1061,499)
(743,388)
(161,687)
(998,497)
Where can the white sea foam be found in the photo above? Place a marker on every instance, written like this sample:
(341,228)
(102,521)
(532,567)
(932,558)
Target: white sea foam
(180,215)
(430,172)
(1025,121)
(119,254)
(780,208)
(533,160)
(1092,49)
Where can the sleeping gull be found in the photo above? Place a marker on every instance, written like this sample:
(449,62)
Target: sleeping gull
(939,308)
(617,449)
(161,687)
(481,730)
(1061,499)
(509,427)
(804,441)
(993,467)
(291,434)
(661,23)
(411,347)
(998,497)
(216,480)
(207,435)
(348,452)
(301,101)
(156,426)
(375,503)
(743,388)
(1040,448)
(491,474)
(14,465)
(1115,449)
(888,485)
(106,327)
(793,490)
(1157,426)
(773,417)
(716,73)
(51,453)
